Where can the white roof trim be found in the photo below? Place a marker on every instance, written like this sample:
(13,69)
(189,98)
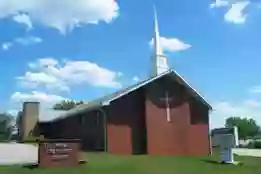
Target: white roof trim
(153,79)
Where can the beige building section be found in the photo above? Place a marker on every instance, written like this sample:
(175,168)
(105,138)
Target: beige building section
(29,120)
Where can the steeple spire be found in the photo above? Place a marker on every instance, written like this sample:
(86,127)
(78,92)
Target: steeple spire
(156,40)
(159,61)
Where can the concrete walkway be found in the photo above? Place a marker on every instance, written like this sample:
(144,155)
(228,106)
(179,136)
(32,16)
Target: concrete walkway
(247,152)
(15,153)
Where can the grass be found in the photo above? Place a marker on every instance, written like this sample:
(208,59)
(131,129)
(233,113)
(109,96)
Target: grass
(110,164)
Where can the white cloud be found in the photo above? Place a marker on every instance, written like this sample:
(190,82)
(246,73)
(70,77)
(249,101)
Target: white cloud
(136,79)
(52,74)
(36,96)
(255,89)
(63,15)
(120,74)
(43,63)
(219,3)
(235,14)
(6,45)
(171,44)
(28,40)
(252,103)
(23,19)
(38,79)
(222,110)
(48,62)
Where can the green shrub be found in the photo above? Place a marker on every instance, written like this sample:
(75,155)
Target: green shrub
(254,145)
(2,137)
(250,145)
(257,145)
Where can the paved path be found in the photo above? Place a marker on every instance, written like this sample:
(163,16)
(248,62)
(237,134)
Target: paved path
(15,153)
(247,152)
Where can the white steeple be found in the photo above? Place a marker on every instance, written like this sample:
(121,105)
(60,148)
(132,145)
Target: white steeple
(159,60)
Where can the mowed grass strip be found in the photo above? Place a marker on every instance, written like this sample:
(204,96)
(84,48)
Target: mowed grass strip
(111,164)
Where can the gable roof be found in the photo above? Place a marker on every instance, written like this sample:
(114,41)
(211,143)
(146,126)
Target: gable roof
(106,100)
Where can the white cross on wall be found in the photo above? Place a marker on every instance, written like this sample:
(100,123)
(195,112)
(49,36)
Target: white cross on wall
(167,100)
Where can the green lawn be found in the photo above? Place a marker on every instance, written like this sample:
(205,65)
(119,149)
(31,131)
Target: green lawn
(109,164)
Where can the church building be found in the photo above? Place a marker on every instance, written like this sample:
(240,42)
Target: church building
(162,115)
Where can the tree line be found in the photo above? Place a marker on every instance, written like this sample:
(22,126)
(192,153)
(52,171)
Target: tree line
(247,127)
(6,127)
(67,104)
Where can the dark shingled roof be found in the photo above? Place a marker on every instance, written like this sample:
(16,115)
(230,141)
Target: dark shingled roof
(105,100)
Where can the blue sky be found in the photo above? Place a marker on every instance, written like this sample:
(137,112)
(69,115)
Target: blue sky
(82,49)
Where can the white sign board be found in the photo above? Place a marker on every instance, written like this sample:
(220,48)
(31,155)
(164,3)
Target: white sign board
(226,139)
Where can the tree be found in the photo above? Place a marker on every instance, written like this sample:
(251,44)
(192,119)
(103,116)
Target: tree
(5,126)
(67,105)
(246,127)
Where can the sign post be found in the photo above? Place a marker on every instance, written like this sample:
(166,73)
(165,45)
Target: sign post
(226,139)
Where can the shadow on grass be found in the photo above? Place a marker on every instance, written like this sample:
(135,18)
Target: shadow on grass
(221,163)
(211,161)
(31,166)
(35,166)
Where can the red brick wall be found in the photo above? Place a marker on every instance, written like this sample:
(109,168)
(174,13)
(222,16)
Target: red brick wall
(122,125)
(198,140)
(181,136)
(199,129)
(165,138)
